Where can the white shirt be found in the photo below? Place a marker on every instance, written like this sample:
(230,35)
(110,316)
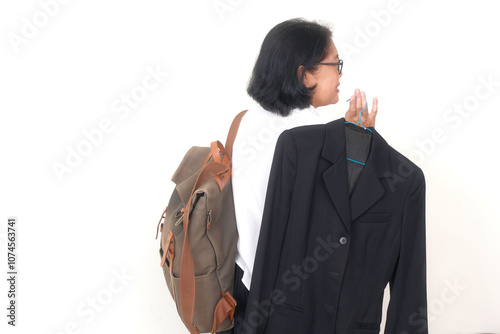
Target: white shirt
(252,159)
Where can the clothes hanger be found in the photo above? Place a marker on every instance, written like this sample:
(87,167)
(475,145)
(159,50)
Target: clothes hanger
(360,124)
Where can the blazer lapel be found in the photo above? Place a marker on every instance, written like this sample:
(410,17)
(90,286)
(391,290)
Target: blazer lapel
(335,177)
(369,189)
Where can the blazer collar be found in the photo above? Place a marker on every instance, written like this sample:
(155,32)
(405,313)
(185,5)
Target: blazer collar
(368,189)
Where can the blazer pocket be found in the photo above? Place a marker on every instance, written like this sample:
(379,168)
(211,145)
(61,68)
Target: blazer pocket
(374,218)
(286,308)
(367,328)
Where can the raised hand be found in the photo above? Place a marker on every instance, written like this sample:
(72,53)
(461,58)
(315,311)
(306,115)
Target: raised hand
(356,104)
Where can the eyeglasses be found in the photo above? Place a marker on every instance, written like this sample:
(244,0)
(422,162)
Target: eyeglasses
(339,65)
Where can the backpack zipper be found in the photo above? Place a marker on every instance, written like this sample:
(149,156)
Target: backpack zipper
(212,241)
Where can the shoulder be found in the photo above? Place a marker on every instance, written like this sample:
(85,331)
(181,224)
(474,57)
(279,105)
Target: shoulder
(302,138)
(402,166)
(307,133)
(258,120)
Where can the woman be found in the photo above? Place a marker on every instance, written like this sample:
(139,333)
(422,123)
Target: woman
(298,70)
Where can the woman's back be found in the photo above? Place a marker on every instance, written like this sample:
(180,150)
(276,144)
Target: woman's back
(252,158)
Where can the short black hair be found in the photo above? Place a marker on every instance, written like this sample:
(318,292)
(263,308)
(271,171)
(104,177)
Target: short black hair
(275,84)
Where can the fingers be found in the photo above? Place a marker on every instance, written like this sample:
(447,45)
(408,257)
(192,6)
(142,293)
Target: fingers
(363,105)
(351,112)
(363,101)
(359,104)
(373,114)
(375,106)
(352,104)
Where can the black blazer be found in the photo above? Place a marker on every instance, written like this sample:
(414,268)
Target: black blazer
(324,258)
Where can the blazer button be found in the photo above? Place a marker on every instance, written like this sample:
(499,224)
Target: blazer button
(329,308)
(343,240)
(333,274)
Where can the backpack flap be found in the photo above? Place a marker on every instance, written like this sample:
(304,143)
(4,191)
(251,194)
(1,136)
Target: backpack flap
(190,164)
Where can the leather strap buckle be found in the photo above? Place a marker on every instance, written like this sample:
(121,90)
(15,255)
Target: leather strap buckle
(230,299)
(232,303)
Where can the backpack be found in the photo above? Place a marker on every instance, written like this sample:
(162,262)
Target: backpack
(199,237)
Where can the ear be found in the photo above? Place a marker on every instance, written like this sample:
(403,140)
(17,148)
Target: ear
(309,79)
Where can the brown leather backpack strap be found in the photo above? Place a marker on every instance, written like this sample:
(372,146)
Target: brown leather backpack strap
(231,136)
(161,218)
(233,130)
(187,280)
(225,308)
(216,150)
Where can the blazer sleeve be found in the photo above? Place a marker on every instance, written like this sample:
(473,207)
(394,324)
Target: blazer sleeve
(271,237)
(407,310)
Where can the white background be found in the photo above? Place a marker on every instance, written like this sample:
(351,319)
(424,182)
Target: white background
(77,232)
